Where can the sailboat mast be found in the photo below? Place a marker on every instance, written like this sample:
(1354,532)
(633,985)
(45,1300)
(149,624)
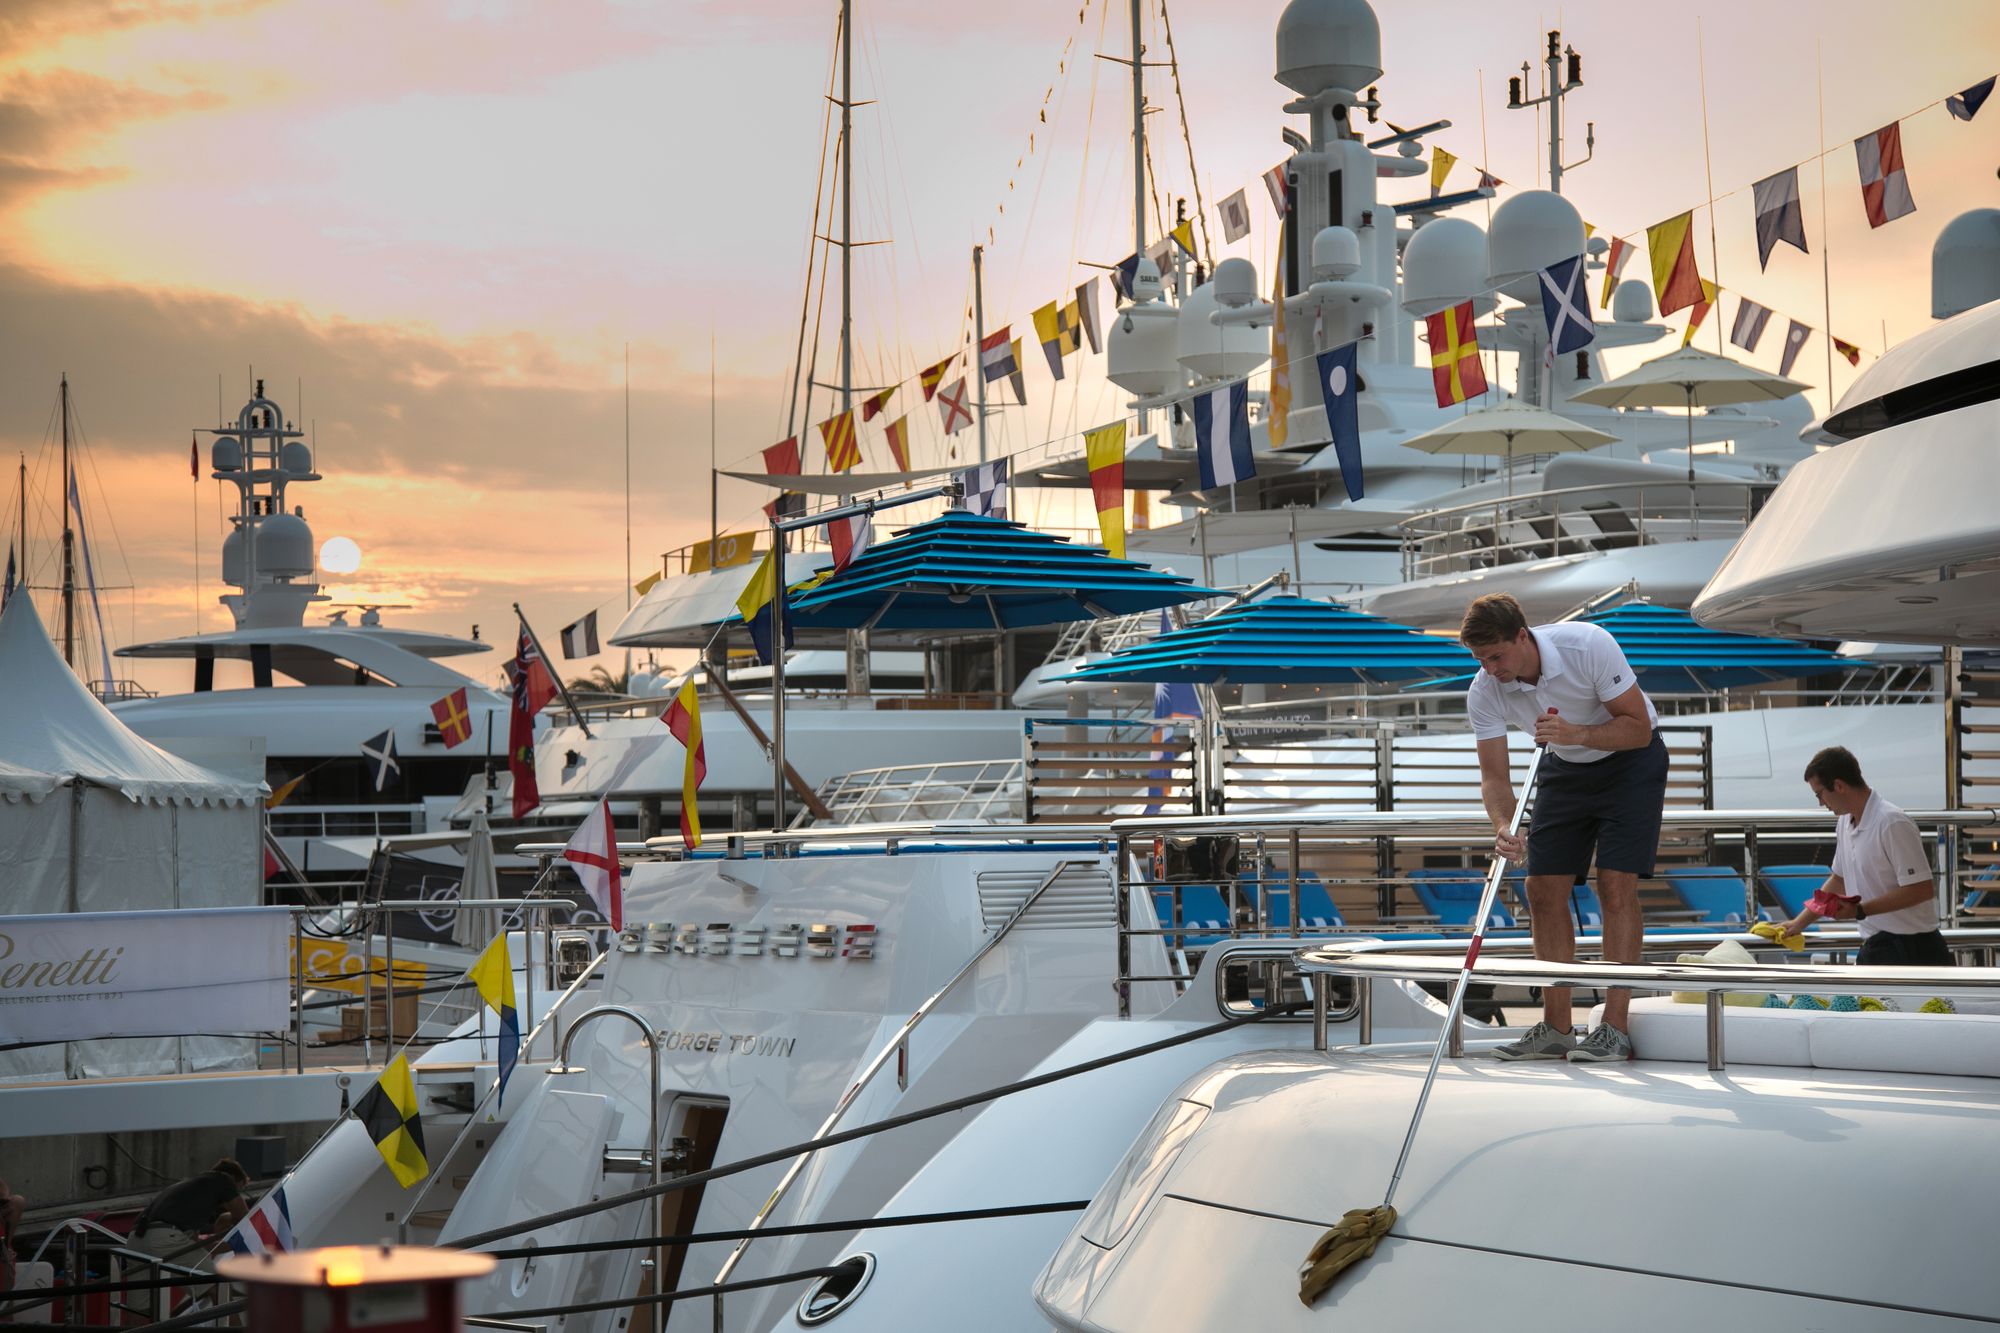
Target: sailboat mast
(847,206)
(1138,137)
(979,340)
(68,542)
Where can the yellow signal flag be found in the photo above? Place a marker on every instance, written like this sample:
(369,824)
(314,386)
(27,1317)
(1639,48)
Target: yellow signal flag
(683,719)
(1184,237)
(1700,312)
(645,585)
(283,794)
(389,1113)
(1278,407)
(1441,165)
(1104,451)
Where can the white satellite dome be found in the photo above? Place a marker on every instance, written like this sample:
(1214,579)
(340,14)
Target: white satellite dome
(1216,351)
(232,557)
(296,457)
(284,546)
(1326,44)
(226,454)
(1336,253)
(1444,264)
(1146,284)
(1531,231)
(1631,302)
(1965,263)
(1140,347)
(1235,283)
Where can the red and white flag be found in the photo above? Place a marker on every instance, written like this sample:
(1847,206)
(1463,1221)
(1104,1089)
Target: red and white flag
(593,851)
(1274,181)
(850,537)
(952,406)
(267,1230)
(1885,190)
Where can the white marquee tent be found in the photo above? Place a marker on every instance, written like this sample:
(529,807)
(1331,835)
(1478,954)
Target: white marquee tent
(93,818)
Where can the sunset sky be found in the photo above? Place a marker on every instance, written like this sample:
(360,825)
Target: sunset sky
(435,226)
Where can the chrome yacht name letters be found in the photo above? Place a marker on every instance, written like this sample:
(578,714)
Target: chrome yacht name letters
(722,939)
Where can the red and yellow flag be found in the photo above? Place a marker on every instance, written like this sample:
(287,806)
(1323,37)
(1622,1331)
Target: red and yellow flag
(1848,350)
(899,442)
(454,718)
(683,718)
(1671,247)
(1455,369)
(1104,451)
(843,450)
(1614,264)
(872,406)
(932,376)
(1700,312)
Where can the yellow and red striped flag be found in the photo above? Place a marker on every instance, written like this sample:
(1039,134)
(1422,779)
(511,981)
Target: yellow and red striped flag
(899,442)
(683,718)
(1671,246)
(1614,264)
(932,376)
(1104,451)
(871,407)
(843,450)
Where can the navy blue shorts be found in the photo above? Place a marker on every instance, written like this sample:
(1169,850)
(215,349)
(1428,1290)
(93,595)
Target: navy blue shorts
(1610,808)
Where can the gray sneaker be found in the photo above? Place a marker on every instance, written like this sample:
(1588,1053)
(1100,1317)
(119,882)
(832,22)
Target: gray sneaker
(1540,1042)
(1605,1043)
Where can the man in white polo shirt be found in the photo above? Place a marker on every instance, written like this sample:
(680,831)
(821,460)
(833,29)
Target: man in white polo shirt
(1879,857)
(1603,784)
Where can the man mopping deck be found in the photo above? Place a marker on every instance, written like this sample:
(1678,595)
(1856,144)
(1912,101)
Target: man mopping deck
(1603,785)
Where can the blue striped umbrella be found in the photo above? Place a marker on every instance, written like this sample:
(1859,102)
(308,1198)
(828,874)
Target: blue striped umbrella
(973,573)
(1282,640)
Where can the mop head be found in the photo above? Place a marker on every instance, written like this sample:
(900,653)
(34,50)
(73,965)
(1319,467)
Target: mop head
(1774,932)
(1351,1240)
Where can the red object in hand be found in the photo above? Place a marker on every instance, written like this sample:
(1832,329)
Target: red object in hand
(1827,904)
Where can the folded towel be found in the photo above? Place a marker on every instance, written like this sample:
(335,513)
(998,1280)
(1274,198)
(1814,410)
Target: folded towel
(1771,930)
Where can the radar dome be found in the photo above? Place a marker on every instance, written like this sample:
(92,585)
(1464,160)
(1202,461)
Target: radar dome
(284,546)
(1326,44)
(1146,285)
(1139,350)
(1965,263)
(1336,253)
(1531,231)
(1443,265)
(1235,283)
(1631,302)
(232,557)
(1216,351)
(226,454)
(296,457)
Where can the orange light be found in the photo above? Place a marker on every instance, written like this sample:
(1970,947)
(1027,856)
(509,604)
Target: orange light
(344,1267)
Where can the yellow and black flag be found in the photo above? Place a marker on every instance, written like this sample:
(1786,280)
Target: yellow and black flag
(389,1113)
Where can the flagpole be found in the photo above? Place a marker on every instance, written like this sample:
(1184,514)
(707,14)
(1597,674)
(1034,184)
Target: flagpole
(1708,168)
(978,341)
(575,713)
(1825,237)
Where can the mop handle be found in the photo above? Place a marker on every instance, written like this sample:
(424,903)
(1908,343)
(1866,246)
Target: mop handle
(1494,874)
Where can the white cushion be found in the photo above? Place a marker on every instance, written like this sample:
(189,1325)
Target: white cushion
(1910,1043)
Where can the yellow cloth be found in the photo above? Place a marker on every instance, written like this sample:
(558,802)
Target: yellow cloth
(1771,930)
(1351,1240)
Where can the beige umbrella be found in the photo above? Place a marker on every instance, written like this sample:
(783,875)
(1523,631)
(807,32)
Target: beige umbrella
(1498,429)
(1690,378)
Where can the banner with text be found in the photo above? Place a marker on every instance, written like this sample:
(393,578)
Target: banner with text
(83,975)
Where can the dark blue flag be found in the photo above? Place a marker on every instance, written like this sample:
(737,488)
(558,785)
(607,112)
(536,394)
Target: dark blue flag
(1566,307)
(1966,105)
(1340,387)
(1122,275)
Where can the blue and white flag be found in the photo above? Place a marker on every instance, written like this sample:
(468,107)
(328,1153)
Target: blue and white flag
(1750,321)
(1566,307)
(985,488)
(267,1229)
(383,765)
(1340,387)
(1965,105)
(1222,435)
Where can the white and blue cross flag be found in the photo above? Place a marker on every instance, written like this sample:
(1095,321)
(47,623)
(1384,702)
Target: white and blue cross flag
(1566,307)
(1222,435)
(1340,387)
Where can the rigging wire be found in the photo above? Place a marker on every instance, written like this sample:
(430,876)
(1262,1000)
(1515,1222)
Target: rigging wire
(1187,137)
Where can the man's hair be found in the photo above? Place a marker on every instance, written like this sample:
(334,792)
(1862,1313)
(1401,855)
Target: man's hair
(229,1166)
(1494,618)
(1836,763)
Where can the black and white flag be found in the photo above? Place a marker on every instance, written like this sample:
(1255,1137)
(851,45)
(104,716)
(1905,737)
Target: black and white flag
(579,638)
(985,488)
